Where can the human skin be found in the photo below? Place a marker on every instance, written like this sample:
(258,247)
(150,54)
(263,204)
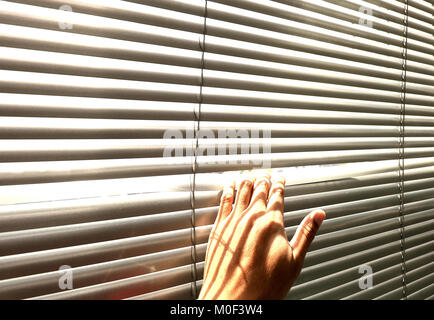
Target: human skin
(248,255)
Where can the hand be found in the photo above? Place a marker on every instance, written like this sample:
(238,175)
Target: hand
(248,254)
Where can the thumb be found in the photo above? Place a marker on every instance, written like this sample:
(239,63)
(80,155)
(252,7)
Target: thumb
(305,234)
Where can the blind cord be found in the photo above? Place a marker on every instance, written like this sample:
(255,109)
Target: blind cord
(401,152)
(197,114)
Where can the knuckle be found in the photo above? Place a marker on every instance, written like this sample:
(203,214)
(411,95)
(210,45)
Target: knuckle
(227,198)
(246,183)
(262,182)
(308,231)
(252,218)
(276,216)
(267,222)
(267,228)
(278,190)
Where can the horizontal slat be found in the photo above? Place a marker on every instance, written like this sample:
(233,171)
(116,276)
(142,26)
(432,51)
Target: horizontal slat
(420,216)
(337,236)
(338,45)
(286,19)
(80,65)
(20,14)
(394,294)
(32,193)
(185,6)
(370,218)
(393,7)
(321,284)
(298,66)
(48,18)
(75,107)
(71,294)
(42,18)
(15,104)
(53,213)
(50,260)
(333,266)
(423,282)
(352,290)
(18,288)
(38,83)
(79,44)
(413,211)
(33,240)
(69,149)
(327,185)
(60,236)
(321,69)
(198,7)
(417,199)
(35,215)
(421,276)
(336,41)
(423,6)
(31,262)
(47,284)
(39,172)
(47,40)
(113,10)
(43,150)
(334,68)
(178,16)
(397,281)
(352,10)
(133,273)
(290,29)
(55,237)
(181,292)
(348,195)
(135,13)
(125,288)
(178,292)
(78,107)
(270,84)
(337,251)
(90,87)
(218,83)
(422,294)
(72,128)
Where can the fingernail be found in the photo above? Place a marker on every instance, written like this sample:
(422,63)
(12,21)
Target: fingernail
(261,180)
(277,179)
(319,217)
(229,192)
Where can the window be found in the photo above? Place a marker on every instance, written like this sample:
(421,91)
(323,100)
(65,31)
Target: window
(122,120)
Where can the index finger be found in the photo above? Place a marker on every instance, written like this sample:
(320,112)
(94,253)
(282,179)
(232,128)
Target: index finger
(226,202)
(275,205)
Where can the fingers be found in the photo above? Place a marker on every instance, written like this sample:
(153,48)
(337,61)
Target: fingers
(243,196)
(275,204)
(226,201)
(305,234)
(260,193)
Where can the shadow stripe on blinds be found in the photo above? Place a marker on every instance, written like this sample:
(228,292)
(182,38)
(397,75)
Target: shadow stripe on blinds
(87,97)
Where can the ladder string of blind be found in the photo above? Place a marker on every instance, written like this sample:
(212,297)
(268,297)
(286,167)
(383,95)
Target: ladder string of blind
(197,118)
(401,152)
